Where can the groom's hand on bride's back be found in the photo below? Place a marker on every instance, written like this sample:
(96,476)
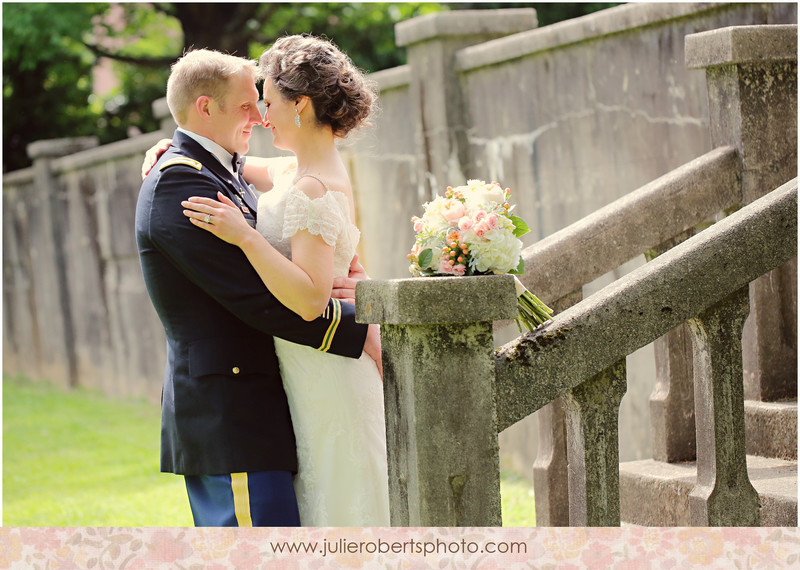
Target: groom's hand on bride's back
(344,288)
(152,155)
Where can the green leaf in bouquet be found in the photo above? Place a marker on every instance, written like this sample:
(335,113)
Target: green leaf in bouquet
(425,257)
(520,268)
(520,227)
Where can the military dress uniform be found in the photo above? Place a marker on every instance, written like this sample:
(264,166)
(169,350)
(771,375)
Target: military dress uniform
(224,411)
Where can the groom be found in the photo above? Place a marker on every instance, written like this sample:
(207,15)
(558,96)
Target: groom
(225,419)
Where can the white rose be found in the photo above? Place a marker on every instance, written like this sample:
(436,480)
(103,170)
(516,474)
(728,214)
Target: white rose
(477,192)
(433,218)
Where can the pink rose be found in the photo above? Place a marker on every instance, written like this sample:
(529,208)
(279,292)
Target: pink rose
(464,223)
(492,221)
(459,269)
(444,265)
(453,211)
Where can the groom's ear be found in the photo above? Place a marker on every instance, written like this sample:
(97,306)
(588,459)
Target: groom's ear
(203,107)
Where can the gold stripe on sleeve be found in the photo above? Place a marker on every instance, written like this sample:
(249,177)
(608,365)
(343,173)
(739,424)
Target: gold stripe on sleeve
(335,320)
(241,499)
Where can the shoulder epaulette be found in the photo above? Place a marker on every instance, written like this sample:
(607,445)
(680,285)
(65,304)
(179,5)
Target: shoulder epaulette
(181,160)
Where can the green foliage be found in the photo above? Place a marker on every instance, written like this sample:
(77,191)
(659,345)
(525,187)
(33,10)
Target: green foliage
(425,257)
(48,86)
(520,227)
(364,31)
(46,76)
(36,32)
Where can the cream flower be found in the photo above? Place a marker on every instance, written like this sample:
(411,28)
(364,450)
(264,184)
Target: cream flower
(499,251)
(478,192)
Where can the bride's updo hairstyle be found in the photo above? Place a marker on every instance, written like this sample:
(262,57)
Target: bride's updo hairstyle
(306,65)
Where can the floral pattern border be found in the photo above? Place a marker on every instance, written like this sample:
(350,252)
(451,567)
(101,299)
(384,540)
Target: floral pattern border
(409,548)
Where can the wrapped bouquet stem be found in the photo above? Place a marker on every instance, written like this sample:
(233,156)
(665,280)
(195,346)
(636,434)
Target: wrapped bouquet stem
(471,231)
(532,312)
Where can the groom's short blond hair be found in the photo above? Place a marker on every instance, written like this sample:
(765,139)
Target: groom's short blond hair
(203,72)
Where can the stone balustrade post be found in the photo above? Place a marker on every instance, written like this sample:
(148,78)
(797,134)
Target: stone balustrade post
(551,496)
(439,116)
(751,72)
(592,413)
(672,400)
(723,495)
(441,419)
(46,227)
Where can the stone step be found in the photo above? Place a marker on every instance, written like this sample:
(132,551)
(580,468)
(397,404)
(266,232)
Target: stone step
(771,429)
(654,493)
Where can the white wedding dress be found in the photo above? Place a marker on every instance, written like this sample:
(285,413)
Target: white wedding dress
(336,402)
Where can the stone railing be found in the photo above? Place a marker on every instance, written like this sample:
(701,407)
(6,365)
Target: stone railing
(445,403)
(651,219)
(750,88)
(591,339)
(432,475)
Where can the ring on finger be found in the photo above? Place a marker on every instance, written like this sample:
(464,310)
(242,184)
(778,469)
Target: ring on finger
(207,219)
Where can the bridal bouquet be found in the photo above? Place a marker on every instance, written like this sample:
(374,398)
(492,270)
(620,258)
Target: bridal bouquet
(471,231)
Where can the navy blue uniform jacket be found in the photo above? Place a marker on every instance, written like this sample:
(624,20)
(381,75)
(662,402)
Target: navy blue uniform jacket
(223,406)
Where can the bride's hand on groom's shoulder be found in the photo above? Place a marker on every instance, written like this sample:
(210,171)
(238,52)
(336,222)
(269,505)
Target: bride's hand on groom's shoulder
(153,154)
(222,218)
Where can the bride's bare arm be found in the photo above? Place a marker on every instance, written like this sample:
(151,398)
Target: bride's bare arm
(260,172)
(302,284)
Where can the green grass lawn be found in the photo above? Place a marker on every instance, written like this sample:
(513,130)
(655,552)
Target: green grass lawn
(78,459)
(75,458)
(516,498)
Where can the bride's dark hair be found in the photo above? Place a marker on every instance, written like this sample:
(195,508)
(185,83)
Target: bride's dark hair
(306,65)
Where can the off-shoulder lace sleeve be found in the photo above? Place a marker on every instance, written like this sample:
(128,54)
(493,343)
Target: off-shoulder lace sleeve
(326,216)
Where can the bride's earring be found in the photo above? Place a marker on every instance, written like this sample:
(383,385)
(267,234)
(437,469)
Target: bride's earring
(297,117)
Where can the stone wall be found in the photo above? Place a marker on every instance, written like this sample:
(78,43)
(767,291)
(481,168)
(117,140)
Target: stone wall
(76,311)
(570,116)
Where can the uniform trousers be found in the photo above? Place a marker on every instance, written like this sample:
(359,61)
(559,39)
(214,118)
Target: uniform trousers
(262,498)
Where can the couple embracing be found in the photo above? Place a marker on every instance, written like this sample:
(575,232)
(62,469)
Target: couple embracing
(272,404)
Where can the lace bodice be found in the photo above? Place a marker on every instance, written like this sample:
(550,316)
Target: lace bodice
(285,210)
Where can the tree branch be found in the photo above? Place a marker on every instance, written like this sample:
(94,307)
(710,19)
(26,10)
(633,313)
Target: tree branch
(145,61)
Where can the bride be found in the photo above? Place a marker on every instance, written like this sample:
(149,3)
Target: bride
(313,95)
